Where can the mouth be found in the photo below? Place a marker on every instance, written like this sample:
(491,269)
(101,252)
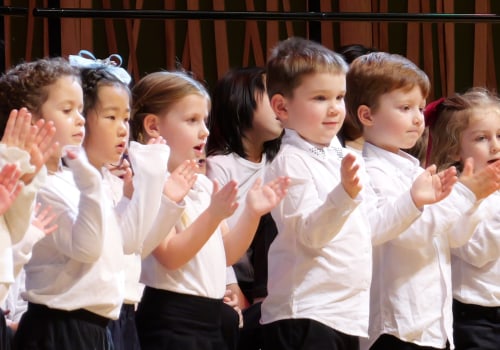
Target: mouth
(79,134)
(492,161)
(200,149)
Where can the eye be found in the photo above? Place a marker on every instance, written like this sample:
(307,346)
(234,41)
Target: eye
(320,98)
(480,138)
(111,117)
(340,97)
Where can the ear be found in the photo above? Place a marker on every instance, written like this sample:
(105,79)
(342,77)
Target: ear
(151,125)
(365,115)
(278,104)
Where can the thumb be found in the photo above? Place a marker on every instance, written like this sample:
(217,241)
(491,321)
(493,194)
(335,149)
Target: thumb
(216,186)
(468,167)
(431,169)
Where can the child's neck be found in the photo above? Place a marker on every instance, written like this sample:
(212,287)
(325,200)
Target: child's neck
(253,150)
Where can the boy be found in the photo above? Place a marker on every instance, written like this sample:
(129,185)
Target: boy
(411,289)
(320,261)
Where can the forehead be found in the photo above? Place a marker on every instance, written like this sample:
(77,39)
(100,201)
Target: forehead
(325,80)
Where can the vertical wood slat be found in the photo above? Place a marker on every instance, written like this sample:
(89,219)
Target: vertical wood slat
(7,38)
(272,27)
(194,41)
(355,32)
(76,34)
(170,52)
(481,38)
(221,47)
(132,28)
(413,37)
(326,26)
(252,40)
(428,47)
(109,27)
(446,44)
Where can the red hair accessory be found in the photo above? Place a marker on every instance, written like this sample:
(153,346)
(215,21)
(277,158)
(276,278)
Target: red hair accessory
(431,112)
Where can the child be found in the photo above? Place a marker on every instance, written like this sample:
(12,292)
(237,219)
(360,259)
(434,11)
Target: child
(185,276)
(468,125)
(107,112)
(320,261)
(411,288)
(244,138)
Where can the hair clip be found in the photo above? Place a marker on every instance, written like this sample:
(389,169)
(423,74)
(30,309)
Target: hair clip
(85,59)
(431,112)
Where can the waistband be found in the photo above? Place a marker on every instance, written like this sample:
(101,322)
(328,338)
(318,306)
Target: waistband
(80,314)
(463,310)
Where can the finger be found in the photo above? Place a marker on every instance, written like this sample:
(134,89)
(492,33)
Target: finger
(37,208)
(9,128)
(431,169)
(25,129)
(49,230)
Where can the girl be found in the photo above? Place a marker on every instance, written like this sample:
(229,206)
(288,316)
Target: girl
(107,111)
(185,275)
(462,126)
(244,137)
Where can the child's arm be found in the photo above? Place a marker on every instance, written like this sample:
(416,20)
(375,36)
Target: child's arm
(10,186)
(42,224)
(178,184)
(28,146)
(180,247)
(81,229)
(259,200)
(315,221)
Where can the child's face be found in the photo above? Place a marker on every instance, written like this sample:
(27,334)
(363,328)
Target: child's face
(481,139)
(398,122)
(265,126)
(316,110)
(108,126)
(63,107)
(184,128)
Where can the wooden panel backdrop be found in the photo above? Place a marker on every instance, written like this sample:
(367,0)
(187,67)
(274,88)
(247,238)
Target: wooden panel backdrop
(209,48)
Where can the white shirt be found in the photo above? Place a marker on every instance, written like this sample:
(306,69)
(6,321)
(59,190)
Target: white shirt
(225,168)
(205,274)
(80,265)
(136,215)
(476,265)
(15,222)
(320,261)
(411,288)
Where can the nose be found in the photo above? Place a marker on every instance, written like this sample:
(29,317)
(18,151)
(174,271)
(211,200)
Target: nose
(204,131)
(79,119)
(418,119)
(495,145)
(334,107)
(123,129)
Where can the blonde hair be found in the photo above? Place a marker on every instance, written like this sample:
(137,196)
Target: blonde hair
(156,93)
(452,118)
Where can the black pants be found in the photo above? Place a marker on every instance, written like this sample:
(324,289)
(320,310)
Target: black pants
(305,334)
(43,328)
(476,327)
(386,342)
(230,321)
(171,321)
(123,330)
(251,337)
(4,333)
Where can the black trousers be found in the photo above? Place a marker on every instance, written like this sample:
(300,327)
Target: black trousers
(251,337)
(387,341)
(476,327)
(123,330)
(43,328)
(171,321)
(4,333)
(305,334)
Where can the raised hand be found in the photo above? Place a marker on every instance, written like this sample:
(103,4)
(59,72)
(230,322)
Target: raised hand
(261,199)
(41,146)
(180,181)
(431,187)
(349,175)
(482,182)
(10,186)
(44,220)
(35,139)
(224,201)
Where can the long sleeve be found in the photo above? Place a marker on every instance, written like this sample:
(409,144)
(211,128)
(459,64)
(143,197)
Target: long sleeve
(316,221)
(80,232)
(137,217)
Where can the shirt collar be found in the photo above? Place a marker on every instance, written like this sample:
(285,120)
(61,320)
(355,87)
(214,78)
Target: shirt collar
(334,150)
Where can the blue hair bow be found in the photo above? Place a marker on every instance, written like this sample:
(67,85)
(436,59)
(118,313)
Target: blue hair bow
(85,59)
